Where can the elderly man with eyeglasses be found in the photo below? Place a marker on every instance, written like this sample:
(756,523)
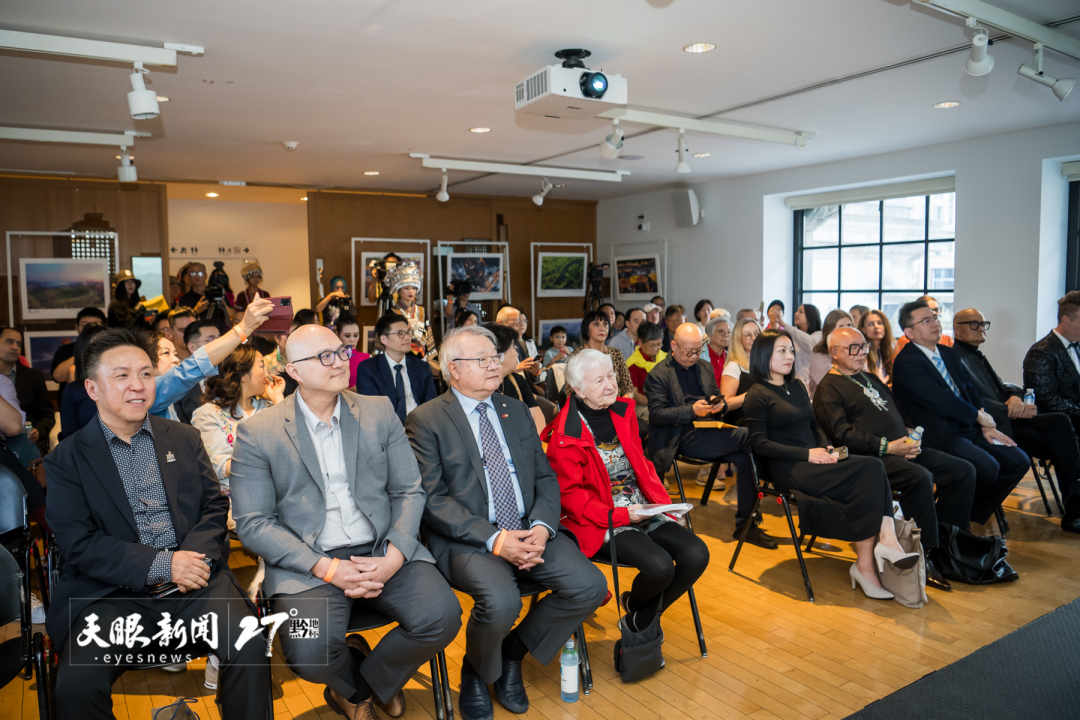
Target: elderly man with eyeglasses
(682,389)
(934,390)
(856,409)
(1047,435)
(325,489)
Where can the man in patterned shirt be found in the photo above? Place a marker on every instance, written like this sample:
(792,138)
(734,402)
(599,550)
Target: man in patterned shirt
(135,504)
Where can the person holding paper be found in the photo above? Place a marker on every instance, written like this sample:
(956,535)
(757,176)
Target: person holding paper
(595,451)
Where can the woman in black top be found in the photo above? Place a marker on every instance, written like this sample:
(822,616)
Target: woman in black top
(849,501)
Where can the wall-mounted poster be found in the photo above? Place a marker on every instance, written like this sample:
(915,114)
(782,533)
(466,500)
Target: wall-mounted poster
(365,265)
(572,327)
(41,346)
(484,271)
(637,277)
(58,288)
(561,275)
(367,339)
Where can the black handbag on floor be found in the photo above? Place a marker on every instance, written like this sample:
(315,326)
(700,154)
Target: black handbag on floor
(972,559)
(637,654)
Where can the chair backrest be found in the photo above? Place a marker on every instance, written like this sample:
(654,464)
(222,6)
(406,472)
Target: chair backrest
(12,504)
(10,588)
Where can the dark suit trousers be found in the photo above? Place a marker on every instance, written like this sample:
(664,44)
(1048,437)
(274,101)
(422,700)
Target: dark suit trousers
(732,446)
(417,598)
(1051,436)
(998,469)
(577,589)
(84,679)
(915,481)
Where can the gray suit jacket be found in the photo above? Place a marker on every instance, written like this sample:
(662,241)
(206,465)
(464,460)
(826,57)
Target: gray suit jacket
(454,479)
(278,492)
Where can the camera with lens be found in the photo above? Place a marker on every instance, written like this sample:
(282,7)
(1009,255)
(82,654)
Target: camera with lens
(596,274)
(217,283)
(457,288)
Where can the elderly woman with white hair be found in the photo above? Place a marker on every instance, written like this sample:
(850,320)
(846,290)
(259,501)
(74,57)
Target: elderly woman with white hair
(595,450)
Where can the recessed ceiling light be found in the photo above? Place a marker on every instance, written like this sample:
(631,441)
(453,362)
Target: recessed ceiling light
(702,154)
(479,130)
(211,194)
(162,98)
(371,172)
(698,48)
(130,157)
(304,198)
(946,105)
(633,157)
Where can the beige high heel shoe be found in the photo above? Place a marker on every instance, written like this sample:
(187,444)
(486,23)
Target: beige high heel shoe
(869,590)
(900,560)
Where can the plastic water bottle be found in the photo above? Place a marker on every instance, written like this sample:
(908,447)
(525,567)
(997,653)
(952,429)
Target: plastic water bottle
(1029,396)
(916,434)
(28,428)
(568,672)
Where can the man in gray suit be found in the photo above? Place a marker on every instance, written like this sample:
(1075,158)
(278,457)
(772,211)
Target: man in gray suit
(492,513)
(326,490)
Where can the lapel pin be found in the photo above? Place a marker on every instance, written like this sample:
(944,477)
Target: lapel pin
(504,405)
(169,457)
(506,416)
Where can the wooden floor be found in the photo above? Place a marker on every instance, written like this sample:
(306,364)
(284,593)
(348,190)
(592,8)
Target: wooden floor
(771,653)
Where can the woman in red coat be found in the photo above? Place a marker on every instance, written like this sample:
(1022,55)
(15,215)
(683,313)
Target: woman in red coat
(595,450)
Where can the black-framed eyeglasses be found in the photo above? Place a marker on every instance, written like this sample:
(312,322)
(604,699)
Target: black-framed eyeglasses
(858,348)
(326,357)
(400,334)
(932,319)
(196,273)
(976,326)
(691,352)
(254,274)
(485,361)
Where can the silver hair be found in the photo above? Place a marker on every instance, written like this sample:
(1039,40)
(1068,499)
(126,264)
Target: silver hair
(716,321)
(450,348)
(584,361)
(505,312)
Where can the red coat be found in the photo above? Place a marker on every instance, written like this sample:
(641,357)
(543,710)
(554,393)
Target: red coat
(583,477)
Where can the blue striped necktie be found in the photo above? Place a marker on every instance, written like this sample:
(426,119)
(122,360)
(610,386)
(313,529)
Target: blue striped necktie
(939,363)
(502,485)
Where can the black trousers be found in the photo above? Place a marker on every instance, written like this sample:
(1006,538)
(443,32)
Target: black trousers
(998,469)
(669,560)
(732,446)
(86,674)
(1051,436)
(915,481)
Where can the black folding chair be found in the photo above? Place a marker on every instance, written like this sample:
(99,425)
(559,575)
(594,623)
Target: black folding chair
(13,606)
(1041,469)
(785,500)
(15,538)
(713,472)
(533,589)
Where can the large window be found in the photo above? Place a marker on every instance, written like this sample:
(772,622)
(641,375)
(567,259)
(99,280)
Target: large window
(881,254)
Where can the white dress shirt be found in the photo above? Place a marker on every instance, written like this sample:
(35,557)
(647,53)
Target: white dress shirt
(345,524)
(1071,353)
(7,391)
(410,401)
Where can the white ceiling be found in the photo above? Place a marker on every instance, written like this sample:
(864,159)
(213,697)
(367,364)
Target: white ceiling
(360,84)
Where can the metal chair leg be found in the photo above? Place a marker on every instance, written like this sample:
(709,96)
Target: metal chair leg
(1047,467)
(1003,524)
(436,689)
(709,483)
(697,622)
(448,700)
(1038,484)
(798,549)
(742,536)
(584,666)
(810,544)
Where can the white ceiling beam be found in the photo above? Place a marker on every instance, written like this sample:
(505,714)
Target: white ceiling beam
(97,49)
(506,169)
(1010,23)
(713,127)
(126,139)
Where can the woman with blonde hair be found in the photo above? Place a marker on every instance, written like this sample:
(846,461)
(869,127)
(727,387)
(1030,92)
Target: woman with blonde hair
(735,380)
(876,329)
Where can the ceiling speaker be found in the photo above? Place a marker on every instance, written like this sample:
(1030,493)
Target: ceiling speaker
(687,212)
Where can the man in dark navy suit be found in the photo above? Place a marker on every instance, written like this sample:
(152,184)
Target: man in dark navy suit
(934,390)
(397,373)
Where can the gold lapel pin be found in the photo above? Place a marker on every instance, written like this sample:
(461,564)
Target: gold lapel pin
(169,457)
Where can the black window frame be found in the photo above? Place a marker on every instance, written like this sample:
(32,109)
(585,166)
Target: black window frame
(1072,240)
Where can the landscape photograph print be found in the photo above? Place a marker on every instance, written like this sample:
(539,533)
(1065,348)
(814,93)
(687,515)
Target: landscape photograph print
(561,275)
(482,270)
(41,345)
(57,288)
(637,277)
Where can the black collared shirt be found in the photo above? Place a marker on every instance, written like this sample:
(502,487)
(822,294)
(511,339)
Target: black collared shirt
(689,381)
(983,377)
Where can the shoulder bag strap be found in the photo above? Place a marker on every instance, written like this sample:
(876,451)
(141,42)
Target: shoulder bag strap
(614,557)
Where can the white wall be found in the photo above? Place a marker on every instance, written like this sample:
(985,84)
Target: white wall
(276,234)
(1010,230)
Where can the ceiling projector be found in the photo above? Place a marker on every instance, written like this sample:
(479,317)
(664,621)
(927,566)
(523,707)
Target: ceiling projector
(570,90)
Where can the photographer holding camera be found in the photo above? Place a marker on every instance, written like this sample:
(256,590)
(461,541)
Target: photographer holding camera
(210,296)
(457,299)
(337,303)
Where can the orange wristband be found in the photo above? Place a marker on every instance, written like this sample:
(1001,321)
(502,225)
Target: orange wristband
(243,338)
(333,569)
(497,546)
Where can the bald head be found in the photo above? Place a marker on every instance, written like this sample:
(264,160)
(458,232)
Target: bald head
(841,341)
(686,344)
(845,336)
(507,316)
(314,378)
(962,329)
(308,340)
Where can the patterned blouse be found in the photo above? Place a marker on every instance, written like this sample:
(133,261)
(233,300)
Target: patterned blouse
(218,428)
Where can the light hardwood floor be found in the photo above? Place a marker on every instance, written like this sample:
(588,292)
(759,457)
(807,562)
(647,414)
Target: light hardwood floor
(771,653)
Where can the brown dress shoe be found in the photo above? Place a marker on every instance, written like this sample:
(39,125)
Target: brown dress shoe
(396,707)
(358,711)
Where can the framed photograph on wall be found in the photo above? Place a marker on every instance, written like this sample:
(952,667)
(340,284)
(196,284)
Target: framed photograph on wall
(561,274)
(637,277)
(369,279)
(41,345)
(58,288)
(484,271)
(573,332)
(367,339)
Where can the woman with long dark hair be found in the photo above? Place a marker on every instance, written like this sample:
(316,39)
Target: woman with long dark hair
(876,329)
(514,384)
(595,327)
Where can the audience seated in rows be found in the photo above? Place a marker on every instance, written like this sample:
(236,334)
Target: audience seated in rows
(29,388)
(347,328)
(903,339)
(820,359)
(514,384)
(805,331)
(856,312)
(594,331)
(877,330)
(674,316)
(718,337)
(179,318)
(63,362)
(735,379)
(702,310)
(653,313)
(77,408)
(627,340)
(396,374)
(559,350)
(12,420)
(641,363)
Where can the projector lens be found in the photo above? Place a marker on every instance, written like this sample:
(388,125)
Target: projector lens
(593,84)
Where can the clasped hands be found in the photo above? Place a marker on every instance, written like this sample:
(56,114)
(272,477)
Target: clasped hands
(523,548)
(362,577)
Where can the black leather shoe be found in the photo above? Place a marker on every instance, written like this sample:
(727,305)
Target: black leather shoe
(1070,522)
(757,536)
(510,689)
(934,578)
(473,699)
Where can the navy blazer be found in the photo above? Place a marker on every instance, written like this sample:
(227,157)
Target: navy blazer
(924,398)
(373,377)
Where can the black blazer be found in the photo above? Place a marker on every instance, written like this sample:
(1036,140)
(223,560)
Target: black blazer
(1050,371)
(34,400)
(95,528)
(186,406)
(988,384)
(924,398)
(373,377)
(669,413)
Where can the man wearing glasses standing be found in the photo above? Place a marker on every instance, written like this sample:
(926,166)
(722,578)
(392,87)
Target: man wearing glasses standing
(397,373)
(935,391)
(1047,435)
(326,490)
(492,516)
(855,409)
(681,389)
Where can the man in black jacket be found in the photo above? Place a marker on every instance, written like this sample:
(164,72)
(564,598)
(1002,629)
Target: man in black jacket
(29,387)
(680,389)
(1052,369)
(134,503)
